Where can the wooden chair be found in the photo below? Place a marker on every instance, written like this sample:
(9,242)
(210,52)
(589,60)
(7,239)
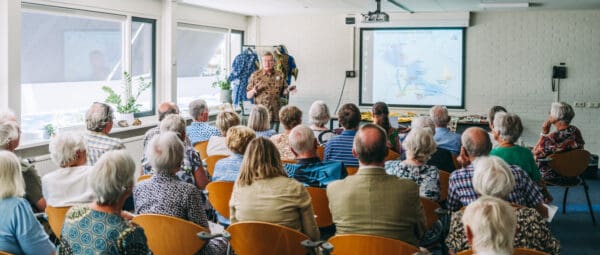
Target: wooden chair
(5,253)
(572,164)
(170,235)
(219,194)
(516,251)
(320,205)
(367,244)
(201,149)
(444,184)
(212,161)
(258,238)
(352,170)
(429,207)
(56,218)
(321,151)
(455,161)
(289,161)
(392,155)
(144,177)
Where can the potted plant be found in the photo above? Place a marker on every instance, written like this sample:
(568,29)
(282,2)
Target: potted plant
(224,85)
(126,104)
(49,130)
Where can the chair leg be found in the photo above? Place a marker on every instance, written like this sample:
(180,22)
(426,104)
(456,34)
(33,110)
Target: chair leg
(587,196)
(565,200)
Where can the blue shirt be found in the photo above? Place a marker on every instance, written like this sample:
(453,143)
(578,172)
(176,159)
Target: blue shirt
(228,169)
(266,133)
(312,172)
(200,132)
(20,232)
(448,140)
(339,148)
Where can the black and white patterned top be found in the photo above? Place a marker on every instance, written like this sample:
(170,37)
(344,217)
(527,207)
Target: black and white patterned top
(426,176)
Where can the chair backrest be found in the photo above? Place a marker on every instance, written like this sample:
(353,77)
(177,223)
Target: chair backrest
(289,161)
(571,163)
(516,251)
(429,208)
(351,170)
(201,149)
(455,162)
(369,244)
(5,253)
(170,235)
(392,155)
(219,194)
(258,238)
(321,151)
(320,205)
(211,161)
(144,177)
(56,218)
(444,184)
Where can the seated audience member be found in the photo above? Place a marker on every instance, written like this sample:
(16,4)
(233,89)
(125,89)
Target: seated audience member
(493,177)
(165,194)
(68,185)
(260,122)
(101,227)
(381,114)
(309,169)
(216,144)
(10,136)
(261,177)
(340,147)
(164,109)
(290,117)
(566,138)
(444,138)
(191,170)
(319,117)
(373,202)
(491,116)
(199,130)
(476,143)
(99,122)
(490,225)
(418,145)
(237,140)
(21,233)
(441,158)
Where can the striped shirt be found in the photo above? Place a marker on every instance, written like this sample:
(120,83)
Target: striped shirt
(339,148)
(98,143)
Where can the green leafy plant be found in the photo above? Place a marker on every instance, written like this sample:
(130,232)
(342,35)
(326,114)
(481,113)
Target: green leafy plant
(221,81)
(127,102)
(49,129)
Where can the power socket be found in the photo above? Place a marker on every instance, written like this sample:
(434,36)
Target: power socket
(593,105)
(350,74)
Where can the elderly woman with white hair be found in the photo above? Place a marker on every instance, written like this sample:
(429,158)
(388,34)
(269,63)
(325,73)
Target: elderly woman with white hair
(165,194)
(68,151)
(441,158)
(419,146)
(20,232)
(493,177)
(260,122)
(566,138)
(490,223)
(101,227)
(319,117)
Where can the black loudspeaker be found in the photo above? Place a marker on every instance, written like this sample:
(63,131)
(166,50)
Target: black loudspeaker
(559,72)
(350,20)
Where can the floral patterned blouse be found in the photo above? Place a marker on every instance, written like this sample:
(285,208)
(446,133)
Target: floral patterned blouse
(282,142)
(532,232)
(556,142)
(426,176)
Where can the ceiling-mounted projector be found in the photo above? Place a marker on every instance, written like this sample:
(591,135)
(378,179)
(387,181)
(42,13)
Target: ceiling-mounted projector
(376,16)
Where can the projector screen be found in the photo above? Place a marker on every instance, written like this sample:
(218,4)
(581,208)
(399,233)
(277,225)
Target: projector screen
(412,67)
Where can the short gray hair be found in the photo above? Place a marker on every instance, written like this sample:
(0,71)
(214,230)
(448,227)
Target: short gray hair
(302,139)
(476,142)
(225,120)
(9,131)
(111,176)
(165,152)
(423,122)
(493,222)
(11,179)
(492,177)
(259,119)
(173,123)
(319,113)
(508,126)
(98,116)
(439,115)
(64,147)
(197,107)
(562,112)
(419,145)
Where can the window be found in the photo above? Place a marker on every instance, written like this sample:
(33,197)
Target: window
(236,41)
(143,64)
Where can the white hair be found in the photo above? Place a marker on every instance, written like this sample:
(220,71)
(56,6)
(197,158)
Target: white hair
(319,113)
(419,145)
(302,139)
(111,176)
(439,115)
(562,112)
(492,223)
(423,122)
(165,152)
(64,147)
(492,177)
(173,123)
(11,180)
(197,107)
(508,126)
(7,115)
(9,131)
(98,116)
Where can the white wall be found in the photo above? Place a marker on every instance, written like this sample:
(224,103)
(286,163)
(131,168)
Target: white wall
(509,58)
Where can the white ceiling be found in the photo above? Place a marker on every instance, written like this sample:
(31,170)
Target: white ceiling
(291,7)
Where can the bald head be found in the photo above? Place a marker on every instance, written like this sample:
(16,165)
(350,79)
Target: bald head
(370,145)
(167,108)
(476,142)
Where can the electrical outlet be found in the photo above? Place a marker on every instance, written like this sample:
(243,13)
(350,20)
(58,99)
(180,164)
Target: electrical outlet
(593,105)
(350,74)
(579,104)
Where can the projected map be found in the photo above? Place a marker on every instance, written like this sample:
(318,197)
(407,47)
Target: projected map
(416,66)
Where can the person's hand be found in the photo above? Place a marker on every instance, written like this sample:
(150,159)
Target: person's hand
(546,126)
(293,89)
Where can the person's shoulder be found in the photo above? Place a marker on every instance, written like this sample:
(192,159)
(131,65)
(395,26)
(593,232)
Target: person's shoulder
(15,202)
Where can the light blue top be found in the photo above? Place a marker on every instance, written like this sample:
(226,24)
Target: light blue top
(266,133)
(200,132)
(448,140)
(228,169)
(20,232)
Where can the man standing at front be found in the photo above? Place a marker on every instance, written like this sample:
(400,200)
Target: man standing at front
(266,86)
(373,202)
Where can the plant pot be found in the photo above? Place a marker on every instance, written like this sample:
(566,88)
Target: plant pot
(226,96)
(128,117)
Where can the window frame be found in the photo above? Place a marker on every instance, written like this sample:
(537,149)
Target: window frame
(153,88)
